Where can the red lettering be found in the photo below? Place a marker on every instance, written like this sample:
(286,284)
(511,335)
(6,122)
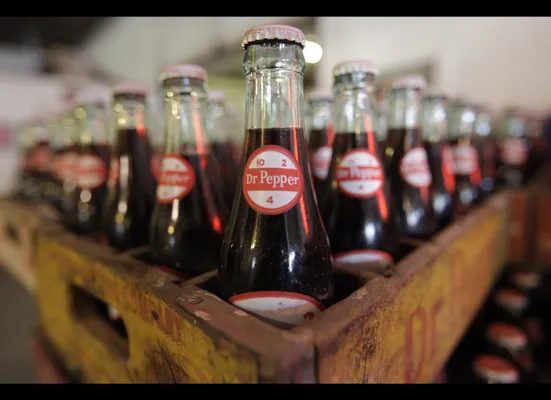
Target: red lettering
(359,173)
(433,329)
(412,372)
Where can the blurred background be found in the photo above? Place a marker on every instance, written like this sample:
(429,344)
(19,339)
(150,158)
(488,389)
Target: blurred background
(501,62)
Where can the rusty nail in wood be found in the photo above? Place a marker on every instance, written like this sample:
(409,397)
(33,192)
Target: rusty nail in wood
(193,300)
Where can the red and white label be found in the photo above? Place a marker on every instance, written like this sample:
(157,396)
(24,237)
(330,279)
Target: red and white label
(511,299)
(514,151)
(272,181)
(349,258)
(176,180)
(91,171)
(156,162)
(465,159)
(285,307)
(448,168)
(321,159)
(414,168)
(508,336)
(359,174)
(114,171)
(495,369)
(65,166)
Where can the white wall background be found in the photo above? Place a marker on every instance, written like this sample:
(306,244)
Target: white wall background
(502,61)
(138,47)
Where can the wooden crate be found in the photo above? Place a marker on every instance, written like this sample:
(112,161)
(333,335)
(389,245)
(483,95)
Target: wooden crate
(389,326)
(18,225)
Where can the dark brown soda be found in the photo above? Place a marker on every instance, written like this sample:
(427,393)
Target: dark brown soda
(66,197)
(408,200)
(191,243)
(443,180)
(487,154)
(284,252)
(85,216)
(467,186)
(228,170)
(135,189)
(38,175)
(346,218)
(319,138)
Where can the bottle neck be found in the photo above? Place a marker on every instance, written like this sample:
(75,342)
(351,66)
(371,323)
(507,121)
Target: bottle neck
(404,108)
(483,124)
(186,112)
(319,114)
(219,123)
(129,113)
(462,121)
(354,106)
(91,124)
(68,129)
(434,121)
(274,85)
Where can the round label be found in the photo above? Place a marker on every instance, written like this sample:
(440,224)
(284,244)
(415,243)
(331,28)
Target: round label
(465,159)
(362,256)
(176,180)
(414,168)
(511,299)
(359,174)
(507,336)
(272,180)
(91,171)
(285,307)
(514,151)
(321,159)
(156,160)
(114,171)
(495,369)
(66,165)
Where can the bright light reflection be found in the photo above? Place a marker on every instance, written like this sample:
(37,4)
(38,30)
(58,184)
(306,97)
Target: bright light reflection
(312,52)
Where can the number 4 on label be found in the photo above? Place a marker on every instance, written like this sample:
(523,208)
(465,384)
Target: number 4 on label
(270,200)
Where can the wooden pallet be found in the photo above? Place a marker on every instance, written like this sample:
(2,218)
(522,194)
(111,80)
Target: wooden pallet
(18,225)
(397,325)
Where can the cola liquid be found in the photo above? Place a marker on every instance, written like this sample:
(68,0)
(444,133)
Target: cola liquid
(410,183)
(131,191)
(320,149)
(36,172)
(467,175)
(281,241)
(227,170)
(357,206)
(92,168)
(440,157)
(64,176)
(193,244)
(486,147)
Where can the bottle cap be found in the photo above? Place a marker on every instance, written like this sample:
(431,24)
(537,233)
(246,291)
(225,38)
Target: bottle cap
(495,369)
(433,92)
(507,336)
(93,95)
(129,88)
(349,67)
(511,299)
(410,82)
(319,95)
(191,71)
(217,96)
(526,280)
(274,32)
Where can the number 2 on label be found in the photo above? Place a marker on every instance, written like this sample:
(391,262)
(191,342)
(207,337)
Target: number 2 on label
(270,200)
(284,163)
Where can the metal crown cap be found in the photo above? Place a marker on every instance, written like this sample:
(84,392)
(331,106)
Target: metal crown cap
(349,67)
(274,32)
(217,96)
(129,88)
(433,92)
(410,82)
(183,71)
(495,369)
(319,95)
(93,95)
